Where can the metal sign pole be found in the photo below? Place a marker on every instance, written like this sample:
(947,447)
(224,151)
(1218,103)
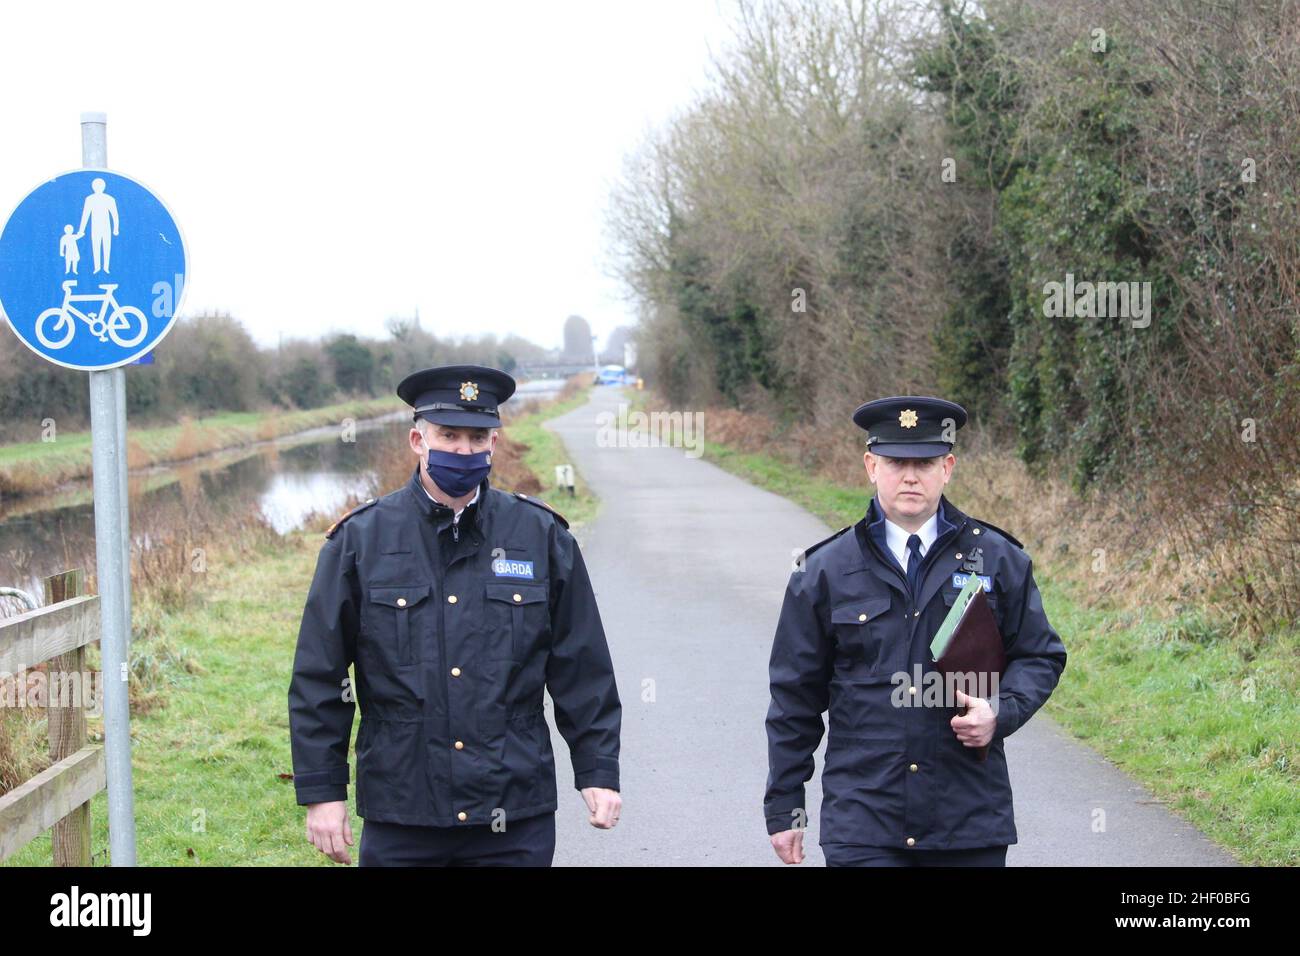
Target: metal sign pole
(124,511)
(108,450)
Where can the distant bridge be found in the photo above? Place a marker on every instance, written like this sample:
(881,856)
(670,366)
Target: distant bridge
(551,370)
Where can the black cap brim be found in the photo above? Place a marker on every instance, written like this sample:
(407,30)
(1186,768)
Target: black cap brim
(461,419)
(910,450)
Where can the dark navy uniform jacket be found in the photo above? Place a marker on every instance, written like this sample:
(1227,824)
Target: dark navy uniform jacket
(897,776)
(454,631)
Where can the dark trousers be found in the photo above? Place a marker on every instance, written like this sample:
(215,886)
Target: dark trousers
(849,854)
(526,842)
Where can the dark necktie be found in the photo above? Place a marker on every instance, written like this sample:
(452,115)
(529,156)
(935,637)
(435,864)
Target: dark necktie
(913,562)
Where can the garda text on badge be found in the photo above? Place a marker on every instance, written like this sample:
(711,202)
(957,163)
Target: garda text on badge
(92,269)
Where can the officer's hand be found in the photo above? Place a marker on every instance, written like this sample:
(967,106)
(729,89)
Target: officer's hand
(328,829)
(604,805)
(789,845)
(976,727)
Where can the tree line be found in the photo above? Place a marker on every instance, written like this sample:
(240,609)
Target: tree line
(210,363)
(875,197)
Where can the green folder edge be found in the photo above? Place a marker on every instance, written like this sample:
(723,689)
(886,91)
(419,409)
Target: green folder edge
(944,635)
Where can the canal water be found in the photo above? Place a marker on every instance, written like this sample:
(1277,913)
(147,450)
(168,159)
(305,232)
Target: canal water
(284,480)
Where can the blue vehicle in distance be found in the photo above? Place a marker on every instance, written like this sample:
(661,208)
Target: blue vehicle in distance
(612,375)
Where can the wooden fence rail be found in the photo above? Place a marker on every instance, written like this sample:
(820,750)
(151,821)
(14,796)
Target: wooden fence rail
(59,797)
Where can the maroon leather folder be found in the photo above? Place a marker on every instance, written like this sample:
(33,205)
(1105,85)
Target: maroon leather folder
(975,648)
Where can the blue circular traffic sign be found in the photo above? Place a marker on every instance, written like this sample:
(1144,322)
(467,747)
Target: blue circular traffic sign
(92,270)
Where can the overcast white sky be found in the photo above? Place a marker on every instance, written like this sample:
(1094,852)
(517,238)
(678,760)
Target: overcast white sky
(332,165)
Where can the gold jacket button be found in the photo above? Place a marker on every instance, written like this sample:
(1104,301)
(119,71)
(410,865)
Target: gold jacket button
(911,841)
(401,602)
(958,555)
(455,672)
(460,745)
(518,598)
(912,768)
(916,613)
(462,816)
(451,599)
(862,617)
(975,530)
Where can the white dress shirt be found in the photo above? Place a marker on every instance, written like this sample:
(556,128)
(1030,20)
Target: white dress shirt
(896,538)
(456,517)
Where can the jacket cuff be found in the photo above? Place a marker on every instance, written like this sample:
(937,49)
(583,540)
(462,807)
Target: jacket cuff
(321,786)
(1008,718)
(780,816)
(308,795)
(593,771)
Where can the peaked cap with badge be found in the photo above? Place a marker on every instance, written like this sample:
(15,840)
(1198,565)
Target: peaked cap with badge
(915,426)
(463,396)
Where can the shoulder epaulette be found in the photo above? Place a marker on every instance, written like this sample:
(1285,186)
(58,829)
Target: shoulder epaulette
(329,533)
(538,502)
(811,548)
(1006,534)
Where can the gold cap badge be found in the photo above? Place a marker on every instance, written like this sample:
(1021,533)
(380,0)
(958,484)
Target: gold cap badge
(907,418)
(468,391)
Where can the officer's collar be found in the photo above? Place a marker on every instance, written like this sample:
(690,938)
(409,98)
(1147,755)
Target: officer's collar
(438,513)
(873,525)
(948,518)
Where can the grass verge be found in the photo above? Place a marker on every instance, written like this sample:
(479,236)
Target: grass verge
(545,451)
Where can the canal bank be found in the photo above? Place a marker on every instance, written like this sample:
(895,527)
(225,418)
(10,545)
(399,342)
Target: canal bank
(283,479)
(54,458)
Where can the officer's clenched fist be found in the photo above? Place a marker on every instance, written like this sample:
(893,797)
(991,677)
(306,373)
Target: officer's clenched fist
(605,806)
(328,829)
(789,845)
(976,727)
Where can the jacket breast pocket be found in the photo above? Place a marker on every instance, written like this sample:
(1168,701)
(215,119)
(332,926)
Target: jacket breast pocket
(395,619)
(861,633)
(518,619)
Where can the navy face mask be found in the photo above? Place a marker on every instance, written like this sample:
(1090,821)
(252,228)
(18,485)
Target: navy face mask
(456,474)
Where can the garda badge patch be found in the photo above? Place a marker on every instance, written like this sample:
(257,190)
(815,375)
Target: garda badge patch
(503,568)
(959,581)
(468,391)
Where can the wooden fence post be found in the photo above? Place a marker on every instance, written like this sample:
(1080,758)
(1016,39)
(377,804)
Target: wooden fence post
(70,837)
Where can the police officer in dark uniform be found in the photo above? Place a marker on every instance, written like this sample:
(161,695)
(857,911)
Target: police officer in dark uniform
(458,603)
(902,784)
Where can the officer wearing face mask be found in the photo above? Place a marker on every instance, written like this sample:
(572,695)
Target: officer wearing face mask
(902,784)
(458,603)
